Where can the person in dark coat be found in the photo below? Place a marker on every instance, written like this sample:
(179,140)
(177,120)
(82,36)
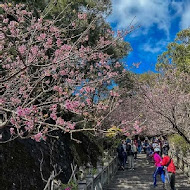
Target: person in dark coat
(120,152)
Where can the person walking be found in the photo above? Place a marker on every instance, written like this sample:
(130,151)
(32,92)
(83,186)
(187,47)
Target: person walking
(139,145)
(134,149)
(156,144)
(124,153)
(159,168)
(130,156)
(145,146)
(170,169)
(120,152)
(165,147)
(149,153)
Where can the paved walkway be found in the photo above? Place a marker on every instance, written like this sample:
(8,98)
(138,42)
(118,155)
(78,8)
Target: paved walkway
(141,178)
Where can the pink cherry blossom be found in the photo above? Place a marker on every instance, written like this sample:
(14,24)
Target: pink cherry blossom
(63,73)
(60,121)
(53,116)
(71,126)
(37,137)
(68,188)
(82,16)
(56,88)
(2,101)
(49,75)
(22,49)
(43,36)
(12,132)
(127,134)
(88,101)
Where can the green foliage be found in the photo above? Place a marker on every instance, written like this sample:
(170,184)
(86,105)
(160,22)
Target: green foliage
(126,82)
(180,143)
(94,171)
(98,5)
(68,10)
(19,164)
(122,49)
(33,3)
(72,185)
(113,132)
(88,150)
(92,148)
(177,54)
(148,78)
(111,143)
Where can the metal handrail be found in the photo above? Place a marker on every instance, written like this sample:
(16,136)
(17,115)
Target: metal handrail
(181,163)
(96,182)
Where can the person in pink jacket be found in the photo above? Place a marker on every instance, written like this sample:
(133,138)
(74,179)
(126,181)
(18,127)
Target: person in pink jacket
(159,168)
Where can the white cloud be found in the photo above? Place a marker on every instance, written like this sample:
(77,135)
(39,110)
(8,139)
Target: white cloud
(154,47)
(147,12)
(151,49)
(177,7)
(185,17)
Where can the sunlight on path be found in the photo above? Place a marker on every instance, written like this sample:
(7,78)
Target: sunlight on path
(141,178)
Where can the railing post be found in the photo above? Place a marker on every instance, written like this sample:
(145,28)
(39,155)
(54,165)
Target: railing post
(82,185)
(99,167)
(102,178)
(188,173)
(89,179)
(115,165)
(181,163)
(108,173)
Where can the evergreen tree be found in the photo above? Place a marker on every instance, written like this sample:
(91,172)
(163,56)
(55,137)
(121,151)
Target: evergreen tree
(177,54)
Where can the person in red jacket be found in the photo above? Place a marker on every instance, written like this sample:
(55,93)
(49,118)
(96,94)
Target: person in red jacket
(169,164)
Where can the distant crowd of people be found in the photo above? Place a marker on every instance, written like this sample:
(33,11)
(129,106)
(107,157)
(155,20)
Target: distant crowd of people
(156,151)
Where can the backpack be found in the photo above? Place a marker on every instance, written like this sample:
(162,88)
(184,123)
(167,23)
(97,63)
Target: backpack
(120,149)
(132,149)
(129,149)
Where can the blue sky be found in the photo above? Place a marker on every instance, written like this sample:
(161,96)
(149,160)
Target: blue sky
(160,21)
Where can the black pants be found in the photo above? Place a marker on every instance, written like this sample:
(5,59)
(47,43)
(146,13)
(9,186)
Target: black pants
(121,159)
(135,155)
(172,180)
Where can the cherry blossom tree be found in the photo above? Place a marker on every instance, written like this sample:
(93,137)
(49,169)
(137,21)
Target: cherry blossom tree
(46,74)
(166,104)
(127,116)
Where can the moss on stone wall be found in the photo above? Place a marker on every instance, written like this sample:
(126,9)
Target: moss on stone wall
(18,169)
(20,159)
(20,162)
(179,143)
(88,150)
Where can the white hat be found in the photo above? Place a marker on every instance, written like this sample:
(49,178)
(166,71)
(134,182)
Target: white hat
(157,150)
